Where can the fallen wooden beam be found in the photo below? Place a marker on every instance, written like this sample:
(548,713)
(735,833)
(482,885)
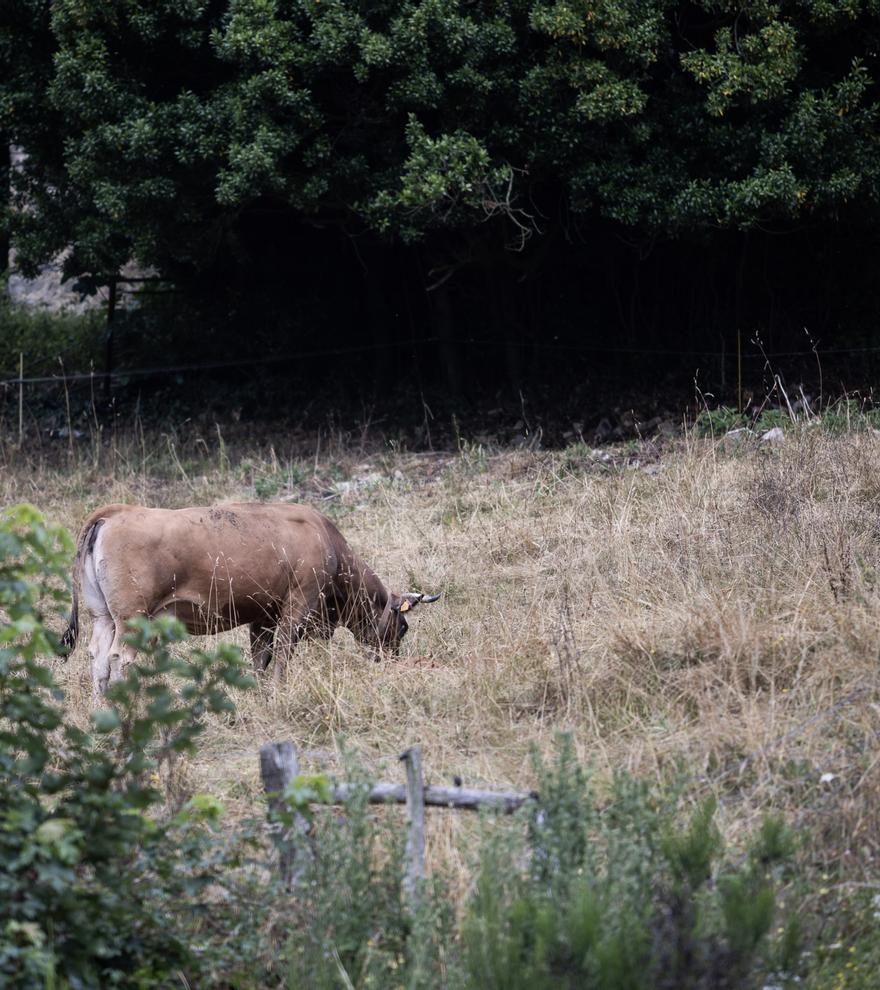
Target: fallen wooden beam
(464,798)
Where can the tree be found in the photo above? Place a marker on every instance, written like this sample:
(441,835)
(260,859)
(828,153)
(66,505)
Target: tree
(208,138)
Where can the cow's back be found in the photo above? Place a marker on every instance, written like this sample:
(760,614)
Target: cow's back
(237,560)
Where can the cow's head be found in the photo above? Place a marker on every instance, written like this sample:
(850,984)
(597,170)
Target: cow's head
(392,625)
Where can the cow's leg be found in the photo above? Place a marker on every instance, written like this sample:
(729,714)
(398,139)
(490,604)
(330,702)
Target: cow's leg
(121,653)
(99,653)
(295,622)
(262,639)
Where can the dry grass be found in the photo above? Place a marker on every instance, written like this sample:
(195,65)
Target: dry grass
(713,608)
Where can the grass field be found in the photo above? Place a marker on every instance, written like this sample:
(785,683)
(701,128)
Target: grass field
(692,605)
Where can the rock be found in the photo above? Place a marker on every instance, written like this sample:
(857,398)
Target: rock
(49,291)
(358,484)
(369,480)
(773,436)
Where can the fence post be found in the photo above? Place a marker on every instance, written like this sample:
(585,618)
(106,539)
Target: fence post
(415,811)
(278,766)
(112,286)
(20,398)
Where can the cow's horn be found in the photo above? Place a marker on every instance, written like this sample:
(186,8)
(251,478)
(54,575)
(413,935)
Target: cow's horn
(413,598)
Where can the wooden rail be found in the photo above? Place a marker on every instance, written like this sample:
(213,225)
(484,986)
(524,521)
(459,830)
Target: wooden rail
(279,766)
(458,798)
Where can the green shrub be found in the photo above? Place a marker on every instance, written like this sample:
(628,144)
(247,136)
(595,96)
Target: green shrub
(770,419)
(717,422)
(843,416)
(99,886)
(349,921)
(619,897)
(44,337)
(267,486)
(850,415)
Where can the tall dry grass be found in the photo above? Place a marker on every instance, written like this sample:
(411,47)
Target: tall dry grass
(712,609)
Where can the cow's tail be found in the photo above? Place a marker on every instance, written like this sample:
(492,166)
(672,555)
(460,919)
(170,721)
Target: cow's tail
(84,543)
(70,634)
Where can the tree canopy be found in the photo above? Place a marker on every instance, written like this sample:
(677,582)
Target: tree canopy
(180,132)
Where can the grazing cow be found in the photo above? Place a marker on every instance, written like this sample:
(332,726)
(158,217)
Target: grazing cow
(285,570)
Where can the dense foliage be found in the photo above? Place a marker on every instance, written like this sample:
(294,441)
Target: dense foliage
(47,342)
(151,129)
(241,143)
(625,897)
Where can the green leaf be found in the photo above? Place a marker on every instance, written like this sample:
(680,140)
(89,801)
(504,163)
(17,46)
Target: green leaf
(105,720)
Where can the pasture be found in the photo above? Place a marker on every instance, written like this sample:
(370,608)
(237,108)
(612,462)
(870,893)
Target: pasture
(687,606)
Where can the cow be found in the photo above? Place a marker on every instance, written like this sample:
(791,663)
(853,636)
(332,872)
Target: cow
(283,569)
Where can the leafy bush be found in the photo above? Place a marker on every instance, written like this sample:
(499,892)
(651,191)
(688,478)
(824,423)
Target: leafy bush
(848,415)
(770,419)
(267,486)
(97,887)
(848,957)
(44,337)
(620,897)
(717,422)
(350,922)
(453,115)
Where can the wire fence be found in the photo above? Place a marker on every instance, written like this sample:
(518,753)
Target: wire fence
(158,371)
(168,370)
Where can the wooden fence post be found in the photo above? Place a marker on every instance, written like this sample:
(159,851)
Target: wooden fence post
(113,285)
(20,398)
(415,811)
(278,767)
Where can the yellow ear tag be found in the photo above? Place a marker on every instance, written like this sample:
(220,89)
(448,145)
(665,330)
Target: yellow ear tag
(405,605)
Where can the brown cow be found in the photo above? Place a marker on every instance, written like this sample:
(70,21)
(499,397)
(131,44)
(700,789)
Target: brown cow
(286,570)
